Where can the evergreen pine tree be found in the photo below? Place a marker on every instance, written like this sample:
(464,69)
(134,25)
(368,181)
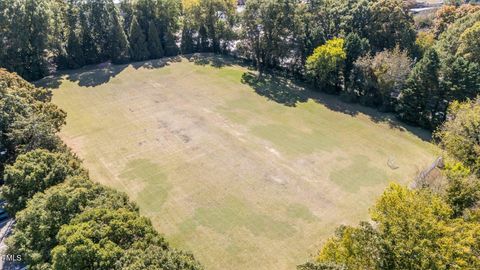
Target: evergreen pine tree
(89,48)
(74,51)
(154,44)
(421,100)
(461,78)
(187,46)
(119,51)
(354,47)
(170,45)
(24,39)
(138,45)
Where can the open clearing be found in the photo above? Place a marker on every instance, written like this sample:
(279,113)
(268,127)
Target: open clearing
(245,173)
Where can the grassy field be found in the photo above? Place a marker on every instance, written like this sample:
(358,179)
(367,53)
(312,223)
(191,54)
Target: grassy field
(246,173)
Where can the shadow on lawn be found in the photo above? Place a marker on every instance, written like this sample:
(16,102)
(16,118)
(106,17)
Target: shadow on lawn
(215,60)
(94,75)
(156,63)
(276,88)
(88,76)
(287,92)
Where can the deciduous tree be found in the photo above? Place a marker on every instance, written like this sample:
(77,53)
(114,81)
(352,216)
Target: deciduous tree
(37,225)
(390,24)
(460,134)
(99,237)
(324,66)
(34,172)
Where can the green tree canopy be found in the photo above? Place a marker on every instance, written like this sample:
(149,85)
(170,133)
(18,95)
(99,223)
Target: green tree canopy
(460,134)
(164,13)
(378,80)
(157,257)
(38,224)
(390,24)
(266,28)
(119,46)
(355,46)
(25,37)
(98,238)
(216,17)
(354,247)
(462,190)
(469,47)
(450,41)
(34,172)
(419,234)
(27,118)
(461,78)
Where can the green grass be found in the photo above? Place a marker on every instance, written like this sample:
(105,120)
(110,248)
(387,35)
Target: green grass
(358,174)
(155,184)
(233,212)
(245,172)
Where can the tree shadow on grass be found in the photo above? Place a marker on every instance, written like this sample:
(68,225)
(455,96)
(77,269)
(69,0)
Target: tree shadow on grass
(335,103)
(276,88)
(156,63)
(87,76)
(50,82)
(289,92)
(95,75)
(214,60)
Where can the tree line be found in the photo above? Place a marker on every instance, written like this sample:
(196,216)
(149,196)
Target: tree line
(63,220)
(371,52)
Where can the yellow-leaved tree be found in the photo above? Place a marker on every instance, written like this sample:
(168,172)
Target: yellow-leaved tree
(324,66)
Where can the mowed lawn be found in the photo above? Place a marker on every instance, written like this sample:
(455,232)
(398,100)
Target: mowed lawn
(246,173)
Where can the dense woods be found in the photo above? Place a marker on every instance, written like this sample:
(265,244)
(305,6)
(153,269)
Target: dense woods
(370,52)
